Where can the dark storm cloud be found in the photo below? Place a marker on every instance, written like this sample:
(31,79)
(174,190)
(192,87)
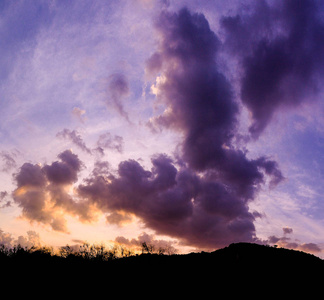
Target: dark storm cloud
(64,171)
(198,96)
(179,203)
(271,168)
(30,175)
(280,49)
(200,101)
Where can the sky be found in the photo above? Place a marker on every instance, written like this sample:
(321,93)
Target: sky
(192,124)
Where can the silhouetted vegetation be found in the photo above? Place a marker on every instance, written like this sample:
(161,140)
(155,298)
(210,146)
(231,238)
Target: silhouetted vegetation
(94,252)
(99,266)
(85,252)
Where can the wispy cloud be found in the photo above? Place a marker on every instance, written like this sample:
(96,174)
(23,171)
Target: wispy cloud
(8,160)
(74,137)
(107,141)
(118,90)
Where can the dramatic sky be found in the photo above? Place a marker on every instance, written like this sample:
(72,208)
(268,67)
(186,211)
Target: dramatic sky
(189,123)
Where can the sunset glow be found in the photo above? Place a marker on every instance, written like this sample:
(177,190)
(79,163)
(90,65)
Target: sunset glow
(187,124)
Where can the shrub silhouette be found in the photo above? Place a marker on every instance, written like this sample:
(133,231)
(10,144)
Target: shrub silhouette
(97,266)
(147,248)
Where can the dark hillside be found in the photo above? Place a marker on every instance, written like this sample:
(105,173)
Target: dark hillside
(238,265)
(243,259)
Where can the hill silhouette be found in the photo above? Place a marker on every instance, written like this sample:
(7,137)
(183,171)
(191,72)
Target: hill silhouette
(237,266)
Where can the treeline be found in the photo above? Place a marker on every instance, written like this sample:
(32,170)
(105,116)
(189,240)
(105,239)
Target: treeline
(85,251)
(97,267)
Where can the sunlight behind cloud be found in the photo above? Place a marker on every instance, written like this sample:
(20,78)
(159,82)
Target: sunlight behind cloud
(198,121)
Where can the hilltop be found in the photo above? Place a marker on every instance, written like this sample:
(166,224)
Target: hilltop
(235,261)
(237,264)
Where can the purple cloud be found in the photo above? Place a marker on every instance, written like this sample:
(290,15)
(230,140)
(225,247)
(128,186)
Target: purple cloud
(3,196)
(200,102)
(118,89)
(150,240)
(287,243)
(197,210)
(107,141)
(279,48)
(198,96)
(42,195)
(287,230)
(310,247)
(64,172)
(30,175)
(74,137)
(203,201)
(9,160)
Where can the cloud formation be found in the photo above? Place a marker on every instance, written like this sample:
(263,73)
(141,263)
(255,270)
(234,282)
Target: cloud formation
(43,192)
(288,242)
(8,160)
(118,90)
(75,138)
(198,210)
(79,114)
(31,240)
(287,230)
(150,240)
(202,198)
(3,203)
(107,141)
(199,101)
(279,48)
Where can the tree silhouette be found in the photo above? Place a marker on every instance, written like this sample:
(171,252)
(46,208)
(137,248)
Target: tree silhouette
(147,248)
